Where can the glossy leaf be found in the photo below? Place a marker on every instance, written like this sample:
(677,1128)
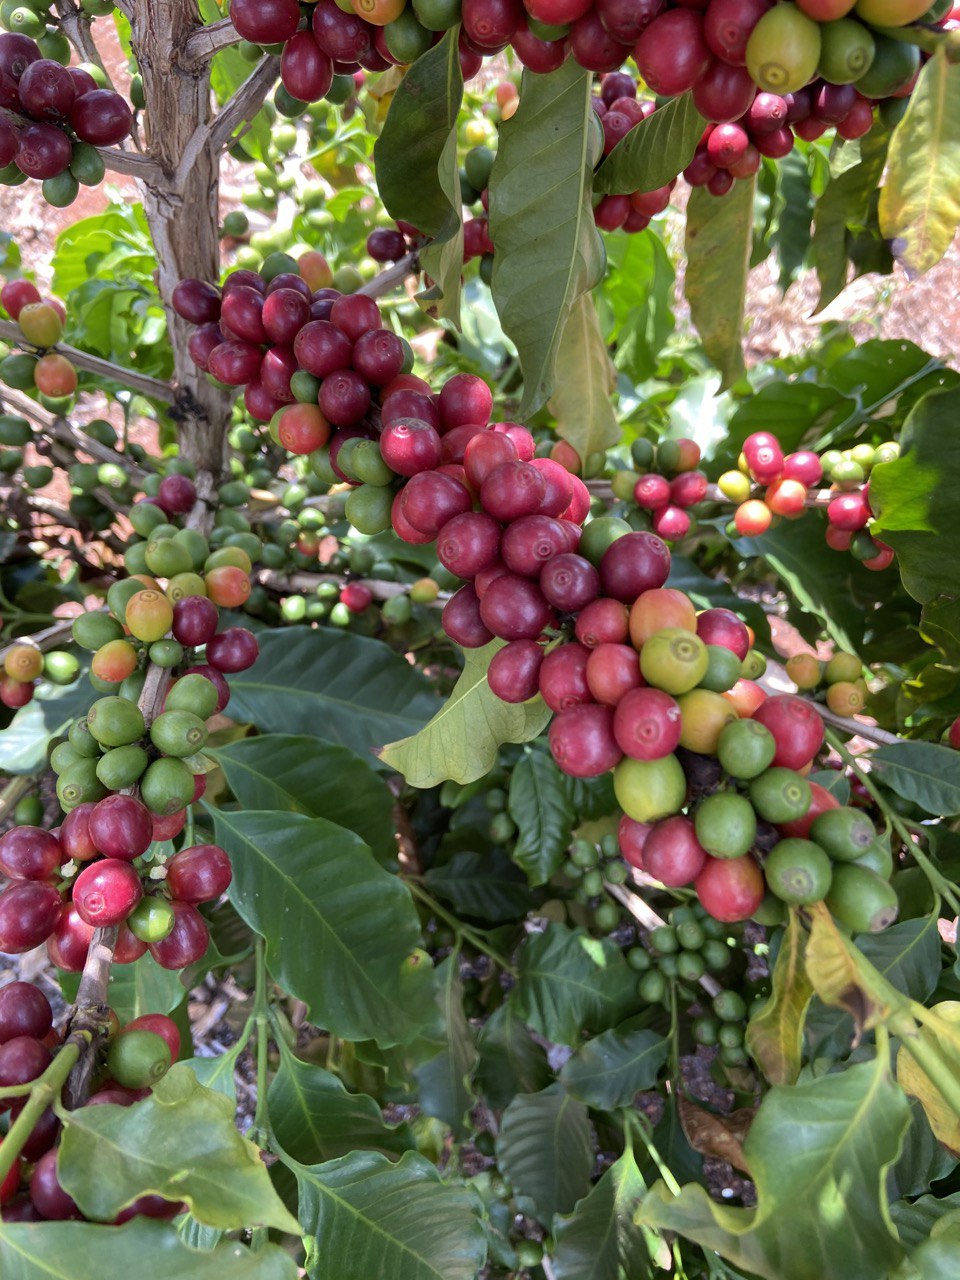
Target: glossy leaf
(340,687)
(545,1151)
(607,1071)
(370,1218)
(416,162)
(148,1250)
(541,220)
(297,774)
(914,498)
(845,204)
(569,981)
(540,805)
(600,1237)
(180,1143)
(818,1154)
(509,1060)
(719,238)
(314,1118)
(25,742)
(443,1080)
(775,1032)
(920,198)
(914,1080)
(339,929)
(924,772)
(585,381)
(654,151)
(636,305)
(486,885)
(462,739)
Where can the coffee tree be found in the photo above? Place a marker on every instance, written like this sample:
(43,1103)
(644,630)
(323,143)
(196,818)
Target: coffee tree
(480,754)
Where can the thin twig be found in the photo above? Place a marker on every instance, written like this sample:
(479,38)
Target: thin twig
(131,378)
(240,108)
(776,680)
(45,640)
(298,582)
(131,163)
(206,41)
(386,281)
(645,915)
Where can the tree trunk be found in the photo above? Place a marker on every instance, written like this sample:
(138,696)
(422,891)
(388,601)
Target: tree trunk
(182,208)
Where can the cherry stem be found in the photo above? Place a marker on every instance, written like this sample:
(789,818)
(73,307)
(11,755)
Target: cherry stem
(463,931)
(43,1093)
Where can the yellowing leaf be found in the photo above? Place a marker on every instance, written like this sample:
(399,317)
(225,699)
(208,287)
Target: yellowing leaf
(775,1032)
(920,199)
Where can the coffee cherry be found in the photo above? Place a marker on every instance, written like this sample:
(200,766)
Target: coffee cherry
(195,693)
(233,650)
(632,837)
(151,919)
(582,741)
(29,853)
(194,620)
(798,871)
(149,615)
(633,564)
(138,1059)
(167,786)
(845,833)
(650,789)
(647,724)
(673,855)
(513,490)
(730,889)
(612,671)
(745,749)
(514,672)
(120,827)
(201,873)
(514,608)
(186,943)
(569,582)
(603,621)
(22,1059)
(162,1026)
(29,912)
(47,1195)
(462,622)
(104,893)
(68,944)
(24,1011)
(780,795)
(563,677)
(796,727)
(726,824)
(470,542)
(115,721)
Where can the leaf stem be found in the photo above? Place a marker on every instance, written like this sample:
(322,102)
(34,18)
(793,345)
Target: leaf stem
(938,882)
(462,930)
(43,1092)
(259,1132)
(638,1126)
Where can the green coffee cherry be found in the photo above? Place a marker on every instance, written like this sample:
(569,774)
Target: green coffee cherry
(178,733)
(115,721)
(167,786)
(121,767)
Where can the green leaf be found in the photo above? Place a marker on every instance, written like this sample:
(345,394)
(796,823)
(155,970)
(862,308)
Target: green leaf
(219,1073)
(509,1059)
(792,235)
(462,739)
(181,1143)
(914,498)
(845,205)
(540,804)
(920,197)
(486,885)
(600,1237)
(719,239)
(444,1079)
(818,1154)
(339,687)
(339,929)
(636,305)
(415,159)
(25,742)
(923,772)
(585,380)
(549,251)
(314,1118)
(149,1250)
(545,1151)
(916,1221)
(373,1218)
(654,151)
(298,774)
(569,981)
(775,1031)
(607,1071)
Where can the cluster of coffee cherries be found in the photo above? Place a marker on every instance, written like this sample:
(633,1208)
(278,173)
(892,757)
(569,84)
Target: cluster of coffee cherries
(315,364)
(25,664)
(41,325)
(138,1055)
(64,116)
(787,482)
(755,834)
(665,481)
(840,678)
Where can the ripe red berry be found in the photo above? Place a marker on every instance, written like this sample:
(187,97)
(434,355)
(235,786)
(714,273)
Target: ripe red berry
(24,1011)
(632,837)
(633,564)
(29,853)
(730,889)
(514,671)
(121,827)
(796,728)
(515,608)
(563,677)
(29,911)
(582,741)
(672,853)
(101,117)
(647,724)
(104,893)
(186,943)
